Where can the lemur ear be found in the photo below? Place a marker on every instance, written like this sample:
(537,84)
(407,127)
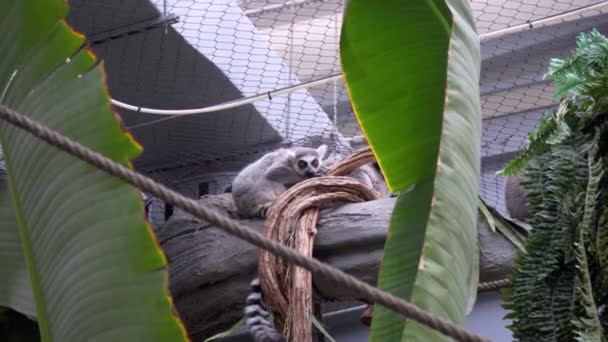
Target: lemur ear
(291,154)
(322,150)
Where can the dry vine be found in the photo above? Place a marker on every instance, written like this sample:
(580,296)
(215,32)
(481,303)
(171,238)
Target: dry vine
(289,289)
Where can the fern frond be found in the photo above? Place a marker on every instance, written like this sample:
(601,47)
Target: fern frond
(552,130)
(601,247)
(547,128)
(541,296)
(584,73)
(596,171)
(587,321)
(560,286)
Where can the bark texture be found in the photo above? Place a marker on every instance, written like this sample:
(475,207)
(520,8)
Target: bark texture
(210,270)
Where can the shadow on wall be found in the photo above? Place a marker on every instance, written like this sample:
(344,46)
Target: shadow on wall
(159,69)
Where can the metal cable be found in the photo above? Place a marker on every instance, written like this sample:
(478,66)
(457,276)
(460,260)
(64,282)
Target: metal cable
(173,114)
(233,227)
(289,75)
(335,82)
(177,113)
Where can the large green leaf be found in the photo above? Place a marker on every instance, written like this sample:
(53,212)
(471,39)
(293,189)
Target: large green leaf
(412,72)
(74,243)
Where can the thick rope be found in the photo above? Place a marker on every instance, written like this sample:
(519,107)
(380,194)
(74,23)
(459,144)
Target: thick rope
(144,183)
(494,285)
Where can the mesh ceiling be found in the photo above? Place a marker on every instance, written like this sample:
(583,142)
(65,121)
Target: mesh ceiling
(220,51)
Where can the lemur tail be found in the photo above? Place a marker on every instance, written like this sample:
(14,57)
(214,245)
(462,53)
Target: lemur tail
(257,317)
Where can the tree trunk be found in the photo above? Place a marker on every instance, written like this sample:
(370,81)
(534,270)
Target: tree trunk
(210,270)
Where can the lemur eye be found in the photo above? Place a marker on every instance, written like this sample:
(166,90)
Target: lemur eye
(302,164)
(315,163)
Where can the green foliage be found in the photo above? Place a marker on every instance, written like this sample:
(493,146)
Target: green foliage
(585,74)
(497,222)
(75,250)
(559,290)
(416,97)
(601,241)
(551,131)
(228,332)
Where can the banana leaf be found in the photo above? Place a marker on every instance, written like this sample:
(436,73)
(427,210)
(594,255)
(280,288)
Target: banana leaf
(75,250)
(412,72)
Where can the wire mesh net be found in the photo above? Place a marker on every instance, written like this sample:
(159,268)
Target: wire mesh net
(514,93)
(223,51)
(280,60)
(273,67)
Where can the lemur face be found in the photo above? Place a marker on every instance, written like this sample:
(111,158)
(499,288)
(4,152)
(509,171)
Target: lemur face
(308,161)
(308,167)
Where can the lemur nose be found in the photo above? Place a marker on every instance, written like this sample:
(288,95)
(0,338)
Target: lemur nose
(310,173)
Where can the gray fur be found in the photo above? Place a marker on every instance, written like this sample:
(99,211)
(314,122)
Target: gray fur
(367,174)
(260,183)
(515,199)
(257,317)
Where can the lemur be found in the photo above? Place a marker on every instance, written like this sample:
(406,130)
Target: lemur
(258,318)
(257,186)
(515,199)
(254,190)
(260,183)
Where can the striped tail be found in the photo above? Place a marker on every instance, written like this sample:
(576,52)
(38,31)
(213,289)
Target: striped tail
(257,317)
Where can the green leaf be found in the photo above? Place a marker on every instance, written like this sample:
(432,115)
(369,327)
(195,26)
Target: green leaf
(74,242)
(601,241)
(587,321)
(561,186)
(402,252)
(412,72)
(547,128)
(516,238)
(487,215)
(585,73)
(560,286)
(322,329)
(473,280)
(15,287)
(503,226)
(228,332)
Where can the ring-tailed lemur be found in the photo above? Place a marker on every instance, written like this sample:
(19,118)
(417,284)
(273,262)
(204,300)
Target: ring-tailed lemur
(254,190)
(515,199)
(258,318)
(259,184)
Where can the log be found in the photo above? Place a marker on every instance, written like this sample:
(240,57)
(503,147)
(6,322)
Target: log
(515,199)
(210,270)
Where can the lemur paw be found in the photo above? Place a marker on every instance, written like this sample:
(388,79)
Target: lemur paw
(322,171)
